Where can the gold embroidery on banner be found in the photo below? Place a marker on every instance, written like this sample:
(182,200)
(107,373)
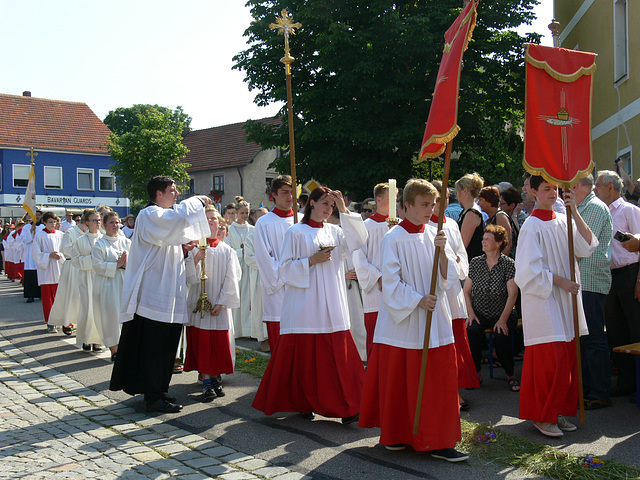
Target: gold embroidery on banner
(561,77)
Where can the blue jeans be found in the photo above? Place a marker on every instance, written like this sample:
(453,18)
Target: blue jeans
(596,368)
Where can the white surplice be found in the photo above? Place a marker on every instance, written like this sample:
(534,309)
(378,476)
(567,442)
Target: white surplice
(547,310)
(268,239)
(26,239)
(258,328)
(66,306)
(241,316)
(154,281)
(455,295)
(48,268)
(86,329)
(356,311)
(407,263)
(367,264)
(315,298)
(222,286)
(107,286)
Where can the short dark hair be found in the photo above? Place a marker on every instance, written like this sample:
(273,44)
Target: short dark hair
(160,182)
(279,182)
(536,181)
(511,196)
(48,215)
(499,235)
(491,195)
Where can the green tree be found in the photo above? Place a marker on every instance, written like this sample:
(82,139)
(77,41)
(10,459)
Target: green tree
(124,119)
(152,147)
(363,80)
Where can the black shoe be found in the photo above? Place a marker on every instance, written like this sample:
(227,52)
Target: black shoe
(168,398)
(218,389)
(350,420)
(97,348)
(86,347)
(162,406)
(307,415)
(30,300)
(208,393)
(465,407)
(113,357)
(449,454)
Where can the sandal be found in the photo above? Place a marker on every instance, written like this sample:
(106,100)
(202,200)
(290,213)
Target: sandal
(177,368)
(596,403)
(514,385)
(497,364)
(67,331)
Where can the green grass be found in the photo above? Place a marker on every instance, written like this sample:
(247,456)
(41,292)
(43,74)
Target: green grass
(508,449)
(250,362)
(538,459)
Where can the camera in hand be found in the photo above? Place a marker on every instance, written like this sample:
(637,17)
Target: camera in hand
(621,237)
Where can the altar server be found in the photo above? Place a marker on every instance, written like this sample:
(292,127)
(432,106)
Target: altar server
(31,288)
(208,347)
(239,230)
(154,304)
(393,371)
(268,238)
(258,327)
(467,376)
(367,261)
(109,259)
(47,254)
(316,366)
(87,333)
(66,307)
(549,388)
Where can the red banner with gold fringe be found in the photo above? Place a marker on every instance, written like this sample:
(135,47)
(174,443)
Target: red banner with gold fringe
(442,124)
(557,141)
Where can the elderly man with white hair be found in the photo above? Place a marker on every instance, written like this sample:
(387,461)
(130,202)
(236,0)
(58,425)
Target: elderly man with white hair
(622,307)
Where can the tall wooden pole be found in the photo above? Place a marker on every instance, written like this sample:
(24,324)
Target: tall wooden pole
(434,278)
(286,27)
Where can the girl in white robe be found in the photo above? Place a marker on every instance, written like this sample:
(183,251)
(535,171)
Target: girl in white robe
(258,328)
(239,230)
(66,307)
(316,367)
(87,333)
(109,260)
(209,349)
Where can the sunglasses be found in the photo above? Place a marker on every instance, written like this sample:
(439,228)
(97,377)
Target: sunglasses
(366,210)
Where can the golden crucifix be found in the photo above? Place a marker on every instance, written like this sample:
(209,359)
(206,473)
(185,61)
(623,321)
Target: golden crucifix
(32,154)
(286,26)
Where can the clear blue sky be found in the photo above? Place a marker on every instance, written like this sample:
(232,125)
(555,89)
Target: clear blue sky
(114,53)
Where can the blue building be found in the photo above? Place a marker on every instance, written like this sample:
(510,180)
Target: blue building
(72,165)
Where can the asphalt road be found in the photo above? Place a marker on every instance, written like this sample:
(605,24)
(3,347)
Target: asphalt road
(323,448)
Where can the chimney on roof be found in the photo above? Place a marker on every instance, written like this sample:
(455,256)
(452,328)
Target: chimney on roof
(26,93)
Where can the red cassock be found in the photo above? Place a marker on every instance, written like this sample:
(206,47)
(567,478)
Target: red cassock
(313,372)
(549,382)
(370,320)
(391,391)
(48,295)
(467,375)
(273,334)
(208,351)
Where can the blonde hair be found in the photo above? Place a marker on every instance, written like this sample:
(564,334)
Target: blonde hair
(241,202)
(211,208)
(415,187)
(472,182)
(379,189)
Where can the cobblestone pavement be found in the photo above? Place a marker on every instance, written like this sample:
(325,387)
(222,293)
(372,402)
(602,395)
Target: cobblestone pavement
(52,426)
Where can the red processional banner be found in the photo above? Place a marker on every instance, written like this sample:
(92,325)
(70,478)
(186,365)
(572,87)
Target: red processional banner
(442,124)
(557,137)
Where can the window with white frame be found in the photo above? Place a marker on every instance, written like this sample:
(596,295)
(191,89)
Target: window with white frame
(21,176)
(85,179)
(218,183)
(627,164)
(107,182)
(620,40)
(53,177)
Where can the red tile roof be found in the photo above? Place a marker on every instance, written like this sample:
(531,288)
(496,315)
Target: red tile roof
(221,147)
(50,124)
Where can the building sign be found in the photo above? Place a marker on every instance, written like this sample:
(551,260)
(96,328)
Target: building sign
(66,200)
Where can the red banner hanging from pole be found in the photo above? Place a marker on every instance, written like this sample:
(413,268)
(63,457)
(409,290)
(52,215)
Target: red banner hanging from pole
(557,142)
(442,124)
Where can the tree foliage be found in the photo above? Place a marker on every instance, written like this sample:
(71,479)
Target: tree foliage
(363,80)
(152,146)
(123,119)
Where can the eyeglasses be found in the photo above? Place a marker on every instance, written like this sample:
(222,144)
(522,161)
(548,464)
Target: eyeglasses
(95,220)
(365,210)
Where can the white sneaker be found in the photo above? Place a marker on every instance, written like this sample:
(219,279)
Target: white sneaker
(548,429)
(565,425)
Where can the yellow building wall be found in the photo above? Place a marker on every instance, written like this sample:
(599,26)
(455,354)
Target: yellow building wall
(594,32)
